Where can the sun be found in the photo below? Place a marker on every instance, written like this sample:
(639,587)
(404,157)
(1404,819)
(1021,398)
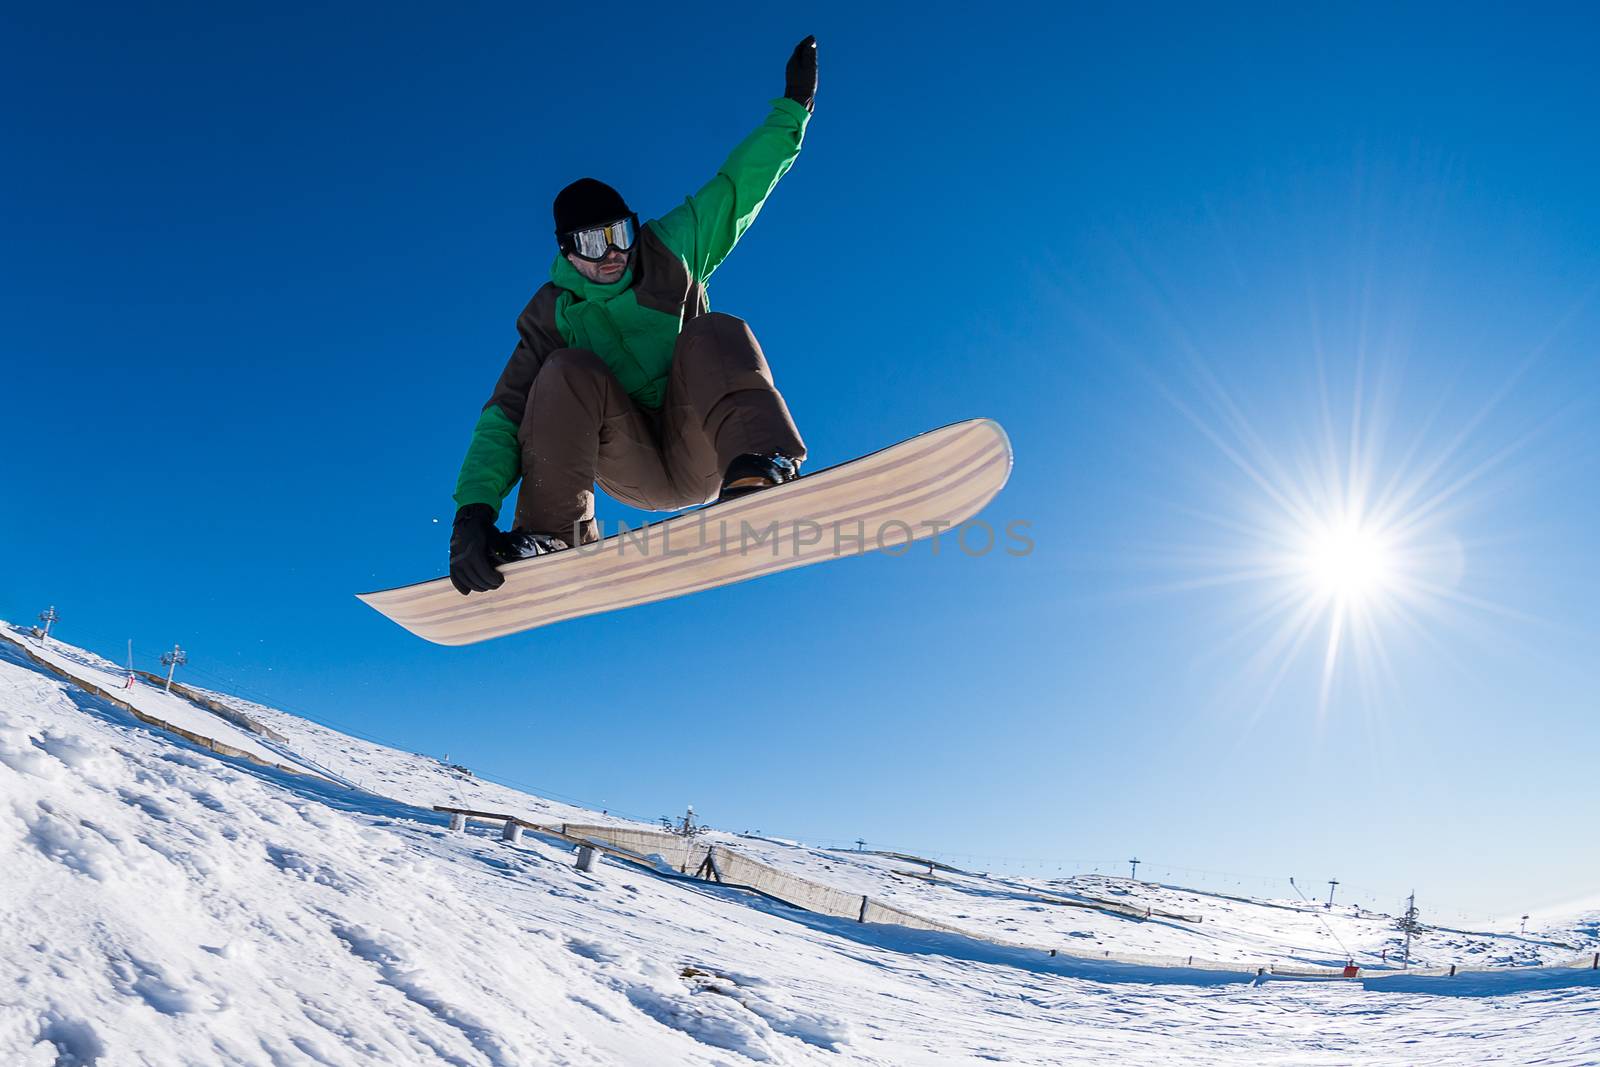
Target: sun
(1349,560)
(1342,543)
(1352,574)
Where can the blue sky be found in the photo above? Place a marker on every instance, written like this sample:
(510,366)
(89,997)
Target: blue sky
(262,269)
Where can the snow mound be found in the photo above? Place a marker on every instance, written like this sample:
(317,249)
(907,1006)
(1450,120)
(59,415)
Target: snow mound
(166,904)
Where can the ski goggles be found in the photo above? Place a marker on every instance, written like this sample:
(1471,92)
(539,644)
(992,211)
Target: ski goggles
(593,243)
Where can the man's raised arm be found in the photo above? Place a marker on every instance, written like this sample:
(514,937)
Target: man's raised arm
(704,228)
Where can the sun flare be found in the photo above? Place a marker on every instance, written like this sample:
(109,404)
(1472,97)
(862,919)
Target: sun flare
(1349,560)
(1343,539)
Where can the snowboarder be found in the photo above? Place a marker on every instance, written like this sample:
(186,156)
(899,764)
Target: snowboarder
(623,375)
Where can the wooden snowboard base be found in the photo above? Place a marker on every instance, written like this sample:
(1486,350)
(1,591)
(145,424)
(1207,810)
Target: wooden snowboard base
(885,500)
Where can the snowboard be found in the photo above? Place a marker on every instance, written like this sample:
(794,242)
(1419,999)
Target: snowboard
(882,501)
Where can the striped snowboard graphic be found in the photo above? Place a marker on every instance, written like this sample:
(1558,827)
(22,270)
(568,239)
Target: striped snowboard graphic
(885,500)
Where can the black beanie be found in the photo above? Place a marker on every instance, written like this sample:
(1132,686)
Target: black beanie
(588,202)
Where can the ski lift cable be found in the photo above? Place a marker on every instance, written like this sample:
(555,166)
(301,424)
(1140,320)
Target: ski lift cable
(1318,913)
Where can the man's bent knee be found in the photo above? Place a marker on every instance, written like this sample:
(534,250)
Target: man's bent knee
(712,322)
(715,346)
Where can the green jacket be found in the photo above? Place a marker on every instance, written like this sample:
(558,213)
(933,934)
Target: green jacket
(633,323)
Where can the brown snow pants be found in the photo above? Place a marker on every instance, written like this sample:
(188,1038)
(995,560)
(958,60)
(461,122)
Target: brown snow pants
(580,427)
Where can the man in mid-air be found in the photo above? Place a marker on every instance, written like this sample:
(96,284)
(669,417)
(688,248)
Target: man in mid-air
(623,375)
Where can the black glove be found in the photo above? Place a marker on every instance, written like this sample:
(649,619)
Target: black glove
(800,76)
(472,539)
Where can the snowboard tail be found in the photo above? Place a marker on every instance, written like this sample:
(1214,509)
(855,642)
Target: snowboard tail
(881,501)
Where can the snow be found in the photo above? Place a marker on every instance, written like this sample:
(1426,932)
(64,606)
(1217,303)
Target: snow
(408,776)
(1230,929)
(168,905)
(151,701)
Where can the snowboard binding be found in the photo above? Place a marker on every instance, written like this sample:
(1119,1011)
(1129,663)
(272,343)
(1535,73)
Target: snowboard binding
(753,472)
(521,544)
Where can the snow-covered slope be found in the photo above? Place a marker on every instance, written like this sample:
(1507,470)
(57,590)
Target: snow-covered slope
(154,703)
(165,905)
(1009,909)
(1183,922)
(406,776)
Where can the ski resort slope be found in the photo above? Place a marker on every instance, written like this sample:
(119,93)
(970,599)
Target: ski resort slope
(1231,929)
(166,905)
(163,707)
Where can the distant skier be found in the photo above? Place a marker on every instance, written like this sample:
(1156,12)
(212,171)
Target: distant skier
(623,375)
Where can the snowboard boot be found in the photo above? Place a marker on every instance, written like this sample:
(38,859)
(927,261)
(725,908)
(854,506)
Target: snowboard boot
(755,471)
(520,544)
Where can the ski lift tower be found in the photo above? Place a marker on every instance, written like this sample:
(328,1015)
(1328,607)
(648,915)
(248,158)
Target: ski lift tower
(49,618)
(1409,922)
(172,659)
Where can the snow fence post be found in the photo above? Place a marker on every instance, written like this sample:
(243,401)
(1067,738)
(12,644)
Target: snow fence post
(861,917)
(586,858)
(458,822)
(512,832)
